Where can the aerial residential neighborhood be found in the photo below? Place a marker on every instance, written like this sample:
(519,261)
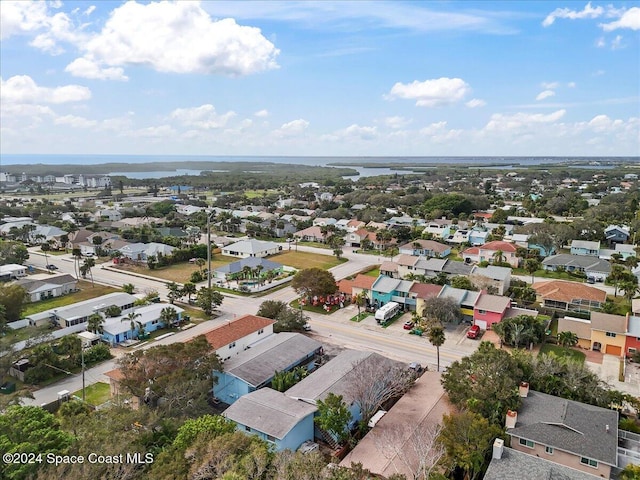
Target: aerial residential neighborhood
(319,240)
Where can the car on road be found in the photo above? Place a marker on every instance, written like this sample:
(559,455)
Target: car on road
(408,325)
(51,267)
(474,331)
(306,327)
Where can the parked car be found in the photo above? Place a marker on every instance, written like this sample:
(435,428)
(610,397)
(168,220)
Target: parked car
(51,267)
(474,331)
(408,325)
(306,327)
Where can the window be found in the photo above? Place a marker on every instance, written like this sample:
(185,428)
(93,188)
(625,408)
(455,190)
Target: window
(589,461)
(548,450)
(260,331)
(271,438)
(232,345)
(527,443)
(611,334)
(482,312)
(248,429)
(632,350)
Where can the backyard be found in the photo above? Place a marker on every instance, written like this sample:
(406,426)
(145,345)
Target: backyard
(95,394)
(563,352)
(180,272)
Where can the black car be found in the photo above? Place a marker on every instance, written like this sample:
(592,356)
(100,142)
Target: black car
(51,267)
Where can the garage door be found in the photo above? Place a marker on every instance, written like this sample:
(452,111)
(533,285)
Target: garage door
(614,350)
(481,323)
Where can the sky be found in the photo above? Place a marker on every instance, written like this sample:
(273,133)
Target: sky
(343,78)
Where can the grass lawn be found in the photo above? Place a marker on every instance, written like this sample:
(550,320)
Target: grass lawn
(359,318)
(375,273)
(95,394)
(180,272)
(302,260)
(25,333)
(86,292)
(570,353)
(544,274)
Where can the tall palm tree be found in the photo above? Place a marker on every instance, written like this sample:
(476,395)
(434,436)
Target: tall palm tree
(45,247)
(246,272)
(200,262)
(94,323)
(88,264)
(567,339)
(630,288)
(77,255)
(189,289)
(436,338)
(131,317)
(498,257)
(168,315)
(531,265)
(616,274)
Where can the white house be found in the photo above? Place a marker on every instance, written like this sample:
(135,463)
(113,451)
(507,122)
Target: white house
(251,248)
(43,286)
(12,271)
(235,336)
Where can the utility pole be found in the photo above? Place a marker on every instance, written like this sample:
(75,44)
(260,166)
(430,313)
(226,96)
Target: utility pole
(209,250)
(83,384)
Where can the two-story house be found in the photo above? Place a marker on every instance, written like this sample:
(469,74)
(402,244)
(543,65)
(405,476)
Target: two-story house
(235,336)
(574,434)
(386,289)
(489,310)
(492,252)
(617,234)
(427,248)
(584,247)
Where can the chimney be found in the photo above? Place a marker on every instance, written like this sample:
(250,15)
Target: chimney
(512,418)
(524,389)
(498,448)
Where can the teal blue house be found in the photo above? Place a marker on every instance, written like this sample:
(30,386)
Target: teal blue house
(281,421)
(386,289)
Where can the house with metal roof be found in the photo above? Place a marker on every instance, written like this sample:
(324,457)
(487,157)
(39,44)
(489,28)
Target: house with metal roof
(251,248)
(43,285)
(566,432)
(122,328)
(255,367)
(234,270)
(273,416)
(584,247)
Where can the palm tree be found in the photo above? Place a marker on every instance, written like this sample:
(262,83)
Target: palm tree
(567,339)
(200,262)
(498,257)
(246,272)
(189,289)
(531,265)
(617,272)
(131,317)
(45,247)
(94,323)
(360,300)
(436,338)
(86,266)
(630,288)
(168,315)
(77,255)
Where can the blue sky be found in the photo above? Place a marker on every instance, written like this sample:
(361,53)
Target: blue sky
(549,78)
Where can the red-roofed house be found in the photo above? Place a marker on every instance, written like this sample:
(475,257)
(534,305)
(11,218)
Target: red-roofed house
(487,253)
(237,335)
(573,296)
(490,309)
(311,234)
(423,291)
(362,283)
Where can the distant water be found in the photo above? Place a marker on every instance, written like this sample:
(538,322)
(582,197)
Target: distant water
(55,159)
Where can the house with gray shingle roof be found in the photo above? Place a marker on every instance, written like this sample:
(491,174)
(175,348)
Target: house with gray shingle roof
(251,248)
(592,266)
(570,433)
(255,367)
(274,417)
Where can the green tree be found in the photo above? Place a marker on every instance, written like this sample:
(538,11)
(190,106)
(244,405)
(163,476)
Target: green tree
(30,430)
(113,311)
(520,330)
(567,339)
(189,289)
(616,274)
(314,282)
(86,267)
(175,292)
(463,282)
(129,288)
(630,472)
(630,289)
(168,315)
(45,247)
(13,297)
(334,416)
(484,382)
(442,310)
(208,299)
(467,438)
(532,265)
(131,317)
(95,323)
(210,425)
(436,337)
(13,252)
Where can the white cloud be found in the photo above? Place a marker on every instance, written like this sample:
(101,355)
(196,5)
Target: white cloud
(587,12)
(439,133)
(261,113)
(352,132)
(545,94)
(21,17)
(161,131)
(22,89)
(74,121)
(180,37)
(616,43)
(571,84)
(504,123)
(204,117)
(629,19)
(600,42)
(86,68)
(550,85)
(602,123)
(292,128)
(475,103)
(89,10)
(431,93)
(396,122)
